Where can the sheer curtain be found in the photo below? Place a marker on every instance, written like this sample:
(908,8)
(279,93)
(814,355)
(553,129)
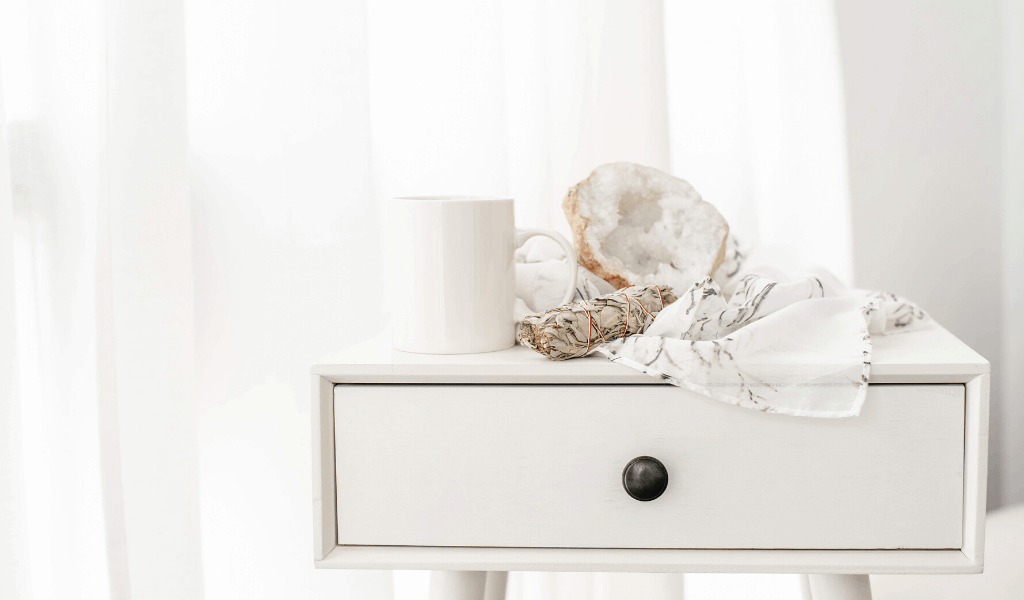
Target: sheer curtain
(190,216)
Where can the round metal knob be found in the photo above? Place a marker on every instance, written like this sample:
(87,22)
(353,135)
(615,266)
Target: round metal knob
(645,478)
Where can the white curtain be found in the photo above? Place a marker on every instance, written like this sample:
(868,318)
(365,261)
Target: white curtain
(190,214)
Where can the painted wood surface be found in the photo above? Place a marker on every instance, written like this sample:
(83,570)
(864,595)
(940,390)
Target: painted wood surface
(540,466)
(976,467)
(927,562)
(468,585)
(836,587)
(928,355)
(931,355)
(325,515)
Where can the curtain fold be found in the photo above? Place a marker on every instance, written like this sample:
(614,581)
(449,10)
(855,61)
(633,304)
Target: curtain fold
(14,563)
(49,97)
(147,355)
(97,212)
(191,214)
(757,121)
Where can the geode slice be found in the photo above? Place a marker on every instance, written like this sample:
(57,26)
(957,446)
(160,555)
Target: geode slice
(636,225)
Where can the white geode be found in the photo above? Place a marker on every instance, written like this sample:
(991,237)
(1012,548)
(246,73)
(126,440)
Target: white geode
(635,225)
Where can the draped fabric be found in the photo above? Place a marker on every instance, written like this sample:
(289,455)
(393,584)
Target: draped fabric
(187,187)
(751,334)
(798,347)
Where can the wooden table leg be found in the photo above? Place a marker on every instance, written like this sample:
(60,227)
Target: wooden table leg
(836,587)
(497,583)
(468,585)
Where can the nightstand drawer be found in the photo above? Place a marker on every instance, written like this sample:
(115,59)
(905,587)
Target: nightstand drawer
(542,466)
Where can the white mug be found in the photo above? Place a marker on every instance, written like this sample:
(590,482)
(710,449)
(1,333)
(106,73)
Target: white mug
(452,268)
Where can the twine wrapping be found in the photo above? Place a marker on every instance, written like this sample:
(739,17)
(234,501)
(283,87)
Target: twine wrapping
(574,330)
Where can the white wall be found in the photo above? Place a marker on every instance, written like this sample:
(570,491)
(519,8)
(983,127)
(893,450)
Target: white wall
(924,97)
(1011,445)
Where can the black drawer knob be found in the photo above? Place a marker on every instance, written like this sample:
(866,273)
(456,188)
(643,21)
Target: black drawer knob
(645,478)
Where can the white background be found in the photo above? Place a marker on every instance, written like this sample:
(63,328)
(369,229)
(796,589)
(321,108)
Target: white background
(191,215)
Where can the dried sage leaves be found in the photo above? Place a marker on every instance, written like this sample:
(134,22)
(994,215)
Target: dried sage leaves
(574,330)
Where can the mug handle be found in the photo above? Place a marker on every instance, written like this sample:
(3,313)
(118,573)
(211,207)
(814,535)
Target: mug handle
(524,234)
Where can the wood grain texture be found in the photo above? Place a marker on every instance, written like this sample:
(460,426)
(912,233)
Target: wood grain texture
(540,466)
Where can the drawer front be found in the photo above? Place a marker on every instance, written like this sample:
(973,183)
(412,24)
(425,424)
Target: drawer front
(541,466)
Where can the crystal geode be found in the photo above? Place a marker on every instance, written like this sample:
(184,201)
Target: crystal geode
(636,225)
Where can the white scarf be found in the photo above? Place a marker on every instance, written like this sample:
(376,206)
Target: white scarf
(799,347)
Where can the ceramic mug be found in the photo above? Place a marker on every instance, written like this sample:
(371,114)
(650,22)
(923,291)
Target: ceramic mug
(452,268)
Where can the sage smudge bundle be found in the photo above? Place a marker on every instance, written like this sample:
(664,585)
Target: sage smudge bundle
(574,330)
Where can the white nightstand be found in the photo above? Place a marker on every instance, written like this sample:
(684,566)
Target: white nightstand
(509,461)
